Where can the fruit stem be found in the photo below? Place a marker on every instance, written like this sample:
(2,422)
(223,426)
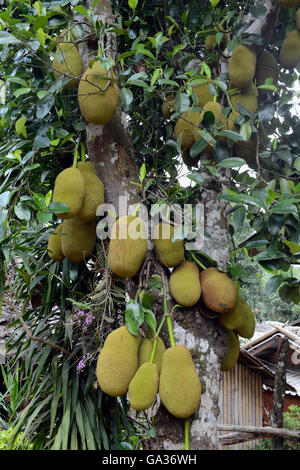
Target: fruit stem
(153,351)
(186,435)
(82,146)
(198,262)
(136,210)
(76,155)
(169,321)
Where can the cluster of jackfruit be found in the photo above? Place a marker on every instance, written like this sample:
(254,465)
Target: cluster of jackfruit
(289,55)
(124,366)
(211,41)
(98,93)
(82,191)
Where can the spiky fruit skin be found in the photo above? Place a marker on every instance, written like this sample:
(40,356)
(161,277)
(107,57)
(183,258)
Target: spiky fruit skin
(266,67)
(54,245)
(169,253)
(298,19)
(185,285)
(218,291)
(145,352)
(93,195)
(168,106)
(69,189)
(68,63)
(241,67)
(118,361)
(233,351)
(179,384)
(246,330)
(289,55)
(97,106)
(187,126)
(203,94)
(289,3)
(78,239)
(247,97)
(231,121)
(143,387)
(125,253)
(235,318)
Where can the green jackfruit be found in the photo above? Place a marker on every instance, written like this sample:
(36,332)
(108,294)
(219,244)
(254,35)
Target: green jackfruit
(69,189)
(289,3)
(78,239)
(211,41)
(179,384)
(145,352)
(143,388)
(187,126)
(220,121)
(98,96)
(127,246)
(246,330)
(289,55)
(246,149)
(169,253)
(231,122)
(298,19)
(266,67)
(94,192)
(218,291)
(241,66)
(236,317)
(203,93)
(247,97)
(118,361)
(54,245)
(233,352)
(185,285)
(168,106)
(67,59)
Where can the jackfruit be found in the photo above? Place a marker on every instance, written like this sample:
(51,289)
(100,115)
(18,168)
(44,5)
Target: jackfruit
(233,352)
(289,3)
(206,312)
(118,361)
(78,240)
(98,96)
(266,67)
(289,55)
(211,42)
(54,245)
(203,94)
(220,121)
(188,125)
(241,66)
(67,60)
(169,253)
(246,149)
(246,330)
(94,192)
(185,285)
(236,317)
(298,18)
(218,291)
(145,352)
(127,246)
(69,189)
(143,387)
(179,384)
(188,160)
(168,106)
(231,121)
(247,97)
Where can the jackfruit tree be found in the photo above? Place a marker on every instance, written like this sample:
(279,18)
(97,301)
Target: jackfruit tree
(155,106)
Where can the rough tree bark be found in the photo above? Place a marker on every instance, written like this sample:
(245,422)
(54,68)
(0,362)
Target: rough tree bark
(279,392)
(110,149)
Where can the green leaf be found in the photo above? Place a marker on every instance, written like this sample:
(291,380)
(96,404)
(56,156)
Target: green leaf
(21,91)
(132,4)
(182,102)
(232,163)
(20,125)
(294,247)
(196,177)
(4,198)
(22,212)
(142,172)
(284,208)
(134,316)
(150,319)
(7,38)
(126,96)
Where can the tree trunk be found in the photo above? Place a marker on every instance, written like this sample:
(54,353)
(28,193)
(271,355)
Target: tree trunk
(279,392)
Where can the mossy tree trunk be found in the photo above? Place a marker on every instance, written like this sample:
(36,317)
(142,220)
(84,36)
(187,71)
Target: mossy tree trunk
(110,149)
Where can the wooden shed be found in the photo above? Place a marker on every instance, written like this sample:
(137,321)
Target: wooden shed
(246,390)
